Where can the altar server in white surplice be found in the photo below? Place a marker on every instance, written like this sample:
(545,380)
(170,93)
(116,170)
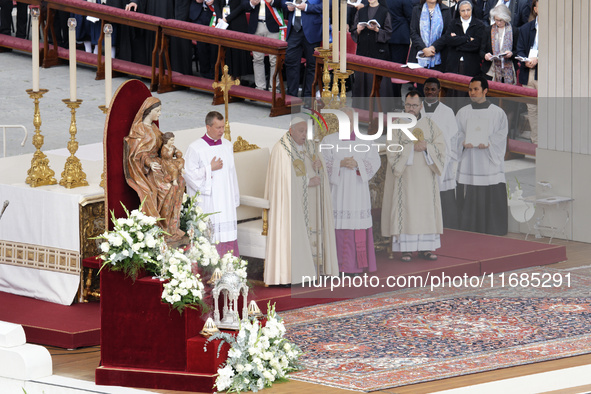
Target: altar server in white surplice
(299,195)
(482,192)
(350,167)
(411,209)
(209,169)
(445,119)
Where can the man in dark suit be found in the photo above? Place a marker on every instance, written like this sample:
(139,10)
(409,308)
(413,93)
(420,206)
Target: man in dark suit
(400,14)
(304,33)
(5,17)
(181,49)
(527,47)
(201,12)
(265,19)
(518,10)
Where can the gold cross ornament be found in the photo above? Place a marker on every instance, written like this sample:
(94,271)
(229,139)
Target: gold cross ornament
(225,84)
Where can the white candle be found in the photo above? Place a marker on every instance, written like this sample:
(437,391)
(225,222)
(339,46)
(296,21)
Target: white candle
(335,30)
(325,24)
(343,38)
(35,47)
(108,65)
(72,45)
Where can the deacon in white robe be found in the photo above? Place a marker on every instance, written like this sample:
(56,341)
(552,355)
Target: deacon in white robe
(482,192)
(445,119)
(411,209)
(209,169)
(350,165)
(301,237)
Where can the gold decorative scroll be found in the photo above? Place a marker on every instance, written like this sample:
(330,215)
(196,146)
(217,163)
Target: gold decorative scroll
(242,145)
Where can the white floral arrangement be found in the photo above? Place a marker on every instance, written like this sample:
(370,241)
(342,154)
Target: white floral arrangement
(236,263)
(204,253)
(133,244)
(192,220)
(258,357)
(183,288)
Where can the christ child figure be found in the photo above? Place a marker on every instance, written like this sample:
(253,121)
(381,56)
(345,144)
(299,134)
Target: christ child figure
(172,159)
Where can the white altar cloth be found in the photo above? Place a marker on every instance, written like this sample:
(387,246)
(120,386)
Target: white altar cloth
(39,231)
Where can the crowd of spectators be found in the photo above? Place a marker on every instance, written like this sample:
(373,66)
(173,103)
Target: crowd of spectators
(468,37)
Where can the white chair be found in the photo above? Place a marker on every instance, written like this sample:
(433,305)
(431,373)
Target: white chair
(251,170)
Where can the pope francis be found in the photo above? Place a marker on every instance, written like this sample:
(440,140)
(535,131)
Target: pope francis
(301,240)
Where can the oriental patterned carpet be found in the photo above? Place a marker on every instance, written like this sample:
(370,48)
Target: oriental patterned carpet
(418,335)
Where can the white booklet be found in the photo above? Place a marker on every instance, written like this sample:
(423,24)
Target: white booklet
(371,22)
(294,2)
(477,132)
(412,66)
(354,3)
(532,53)
(222,25)
(500,56)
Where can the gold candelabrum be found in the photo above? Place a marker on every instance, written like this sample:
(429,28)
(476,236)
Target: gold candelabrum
(73,176)
(325,54)
(39,174)
(332,97)
(342,77)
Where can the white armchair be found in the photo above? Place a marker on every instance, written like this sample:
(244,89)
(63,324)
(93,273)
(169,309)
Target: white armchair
(251,170)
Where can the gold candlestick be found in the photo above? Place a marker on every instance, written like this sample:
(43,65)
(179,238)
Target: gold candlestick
(39,174)
(73,176)
(335,85)
(325,54)
(105,109)
(342,77)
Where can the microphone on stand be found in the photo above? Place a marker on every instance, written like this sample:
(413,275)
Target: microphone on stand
(4,208)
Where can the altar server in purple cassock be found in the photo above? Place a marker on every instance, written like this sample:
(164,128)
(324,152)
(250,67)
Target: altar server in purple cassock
(209,169)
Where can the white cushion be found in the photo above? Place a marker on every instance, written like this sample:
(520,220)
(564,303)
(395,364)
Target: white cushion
(251,242)
(251,171)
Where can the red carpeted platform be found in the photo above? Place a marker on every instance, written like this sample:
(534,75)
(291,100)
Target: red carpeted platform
(46,323)
(462,253)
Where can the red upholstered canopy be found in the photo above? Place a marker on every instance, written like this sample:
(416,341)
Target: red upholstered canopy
(124,106)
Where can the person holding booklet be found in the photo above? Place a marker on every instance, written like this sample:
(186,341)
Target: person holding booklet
(266,20)
(304,34)
(527,49)
(499,45)
(482,191)
(371,30)
(231,15)
(411,207)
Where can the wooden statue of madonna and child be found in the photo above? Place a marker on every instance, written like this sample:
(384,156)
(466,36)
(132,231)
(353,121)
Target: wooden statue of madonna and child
(153,168)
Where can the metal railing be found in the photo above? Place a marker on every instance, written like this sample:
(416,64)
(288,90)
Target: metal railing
(9,126)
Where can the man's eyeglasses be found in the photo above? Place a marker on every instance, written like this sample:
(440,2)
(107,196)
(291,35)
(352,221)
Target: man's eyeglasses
(412,106)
